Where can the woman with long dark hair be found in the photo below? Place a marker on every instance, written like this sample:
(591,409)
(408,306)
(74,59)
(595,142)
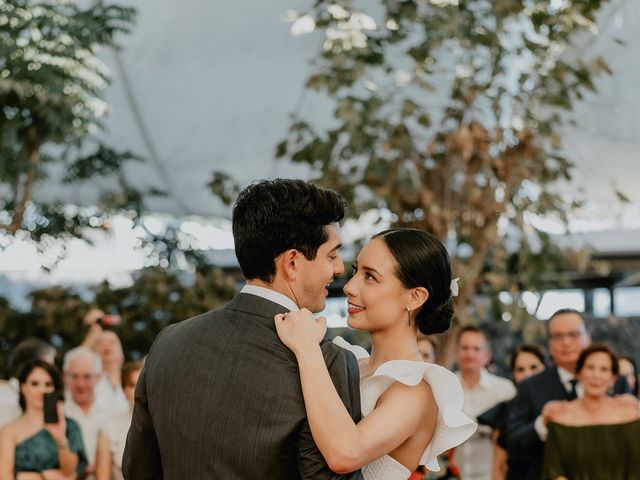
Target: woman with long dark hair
(33,449)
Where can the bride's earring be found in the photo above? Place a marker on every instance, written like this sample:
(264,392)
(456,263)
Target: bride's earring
(408,315)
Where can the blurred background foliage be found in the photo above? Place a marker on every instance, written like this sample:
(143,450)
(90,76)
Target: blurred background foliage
(155,299)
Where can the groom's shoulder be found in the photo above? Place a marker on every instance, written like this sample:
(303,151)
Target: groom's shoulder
(337,356)
(191,326)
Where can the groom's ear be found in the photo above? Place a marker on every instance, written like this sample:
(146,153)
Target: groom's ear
(286,263)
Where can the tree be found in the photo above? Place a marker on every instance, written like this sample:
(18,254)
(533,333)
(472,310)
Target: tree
(447,113)
(155,299)
(51,80)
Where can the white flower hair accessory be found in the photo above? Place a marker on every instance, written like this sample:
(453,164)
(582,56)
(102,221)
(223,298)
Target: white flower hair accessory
(454,287)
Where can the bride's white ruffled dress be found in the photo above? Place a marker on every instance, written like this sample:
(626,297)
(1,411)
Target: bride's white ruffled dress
(452,428)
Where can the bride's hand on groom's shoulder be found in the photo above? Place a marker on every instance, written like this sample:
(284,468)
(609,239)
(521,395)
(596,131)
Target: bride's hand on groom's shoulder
(300,330)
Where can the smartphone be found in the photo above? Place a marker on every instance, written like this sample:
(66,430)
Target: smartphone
(51,407)
(107,321)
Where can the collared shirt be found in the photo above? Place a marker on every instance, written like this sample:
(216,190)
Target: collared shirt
(271,295)
(9,402)
(90,423)
(475,456)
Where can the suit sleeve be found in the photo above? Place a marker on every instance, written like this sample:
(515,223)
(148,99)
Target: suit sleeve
(520,433)
(141,459)
(343,370)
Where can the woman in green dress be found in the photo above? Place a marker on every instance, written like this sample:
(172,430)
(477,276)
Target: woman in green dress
(596,436)
(31,449)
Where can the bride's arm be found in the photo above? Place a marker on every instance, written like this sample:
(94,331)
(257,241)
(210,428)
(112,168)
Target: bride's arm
(345,445)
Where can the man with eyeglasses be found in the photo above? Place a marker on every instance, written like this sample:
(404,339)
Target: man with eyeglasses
(541,394)
(82,370)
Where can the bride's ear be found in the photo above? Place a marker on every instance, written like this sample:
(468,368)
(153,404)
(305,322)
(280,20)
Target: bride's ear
(417,297)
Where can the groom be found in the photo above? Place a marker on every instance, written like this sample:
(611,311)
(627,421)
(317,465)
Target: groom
(220,395)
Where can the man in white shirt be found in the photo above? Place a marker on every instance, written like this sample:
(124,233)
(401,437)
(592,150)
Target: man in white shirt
(82,370)
(482,391)
(26,351)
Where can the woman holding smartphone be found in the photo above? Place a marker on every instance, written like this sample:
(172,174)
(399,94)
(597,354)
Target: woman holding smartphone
(31,449)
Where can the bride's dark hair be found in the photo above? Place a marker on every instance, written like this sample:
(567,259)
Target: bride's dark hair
(422,261)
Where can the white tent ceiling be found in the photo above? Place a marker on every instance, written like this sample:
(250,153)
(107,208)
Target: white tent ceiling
(209,85)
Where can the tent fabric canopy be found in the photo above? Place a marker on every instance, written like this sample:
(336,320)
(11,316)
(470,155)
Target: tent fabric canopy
(209,85)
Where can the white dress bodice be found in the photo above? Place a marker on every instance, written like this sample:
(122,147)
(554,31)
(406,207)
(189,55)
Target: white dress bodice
(452,427)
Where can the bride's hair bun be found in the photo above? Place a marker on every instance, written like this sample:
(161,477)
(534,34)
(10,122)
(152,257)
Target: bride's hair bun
(422,261)
(437,321)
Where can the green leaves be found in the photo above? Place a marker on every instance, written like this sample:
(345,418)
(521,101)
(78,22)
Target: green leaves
(449,118)
(51,79)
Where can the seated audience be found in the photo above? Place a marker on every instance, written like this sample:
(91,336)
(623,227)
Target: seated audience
(31,449)
(595,436)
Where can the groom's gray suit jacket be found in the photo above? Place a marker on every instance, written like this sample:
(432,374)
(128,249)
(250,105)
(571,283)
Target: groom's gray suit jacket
(220,398)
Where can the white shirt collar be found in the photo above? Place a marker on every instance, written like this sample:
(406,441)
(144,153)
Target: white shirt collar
(270,295)
(565,375)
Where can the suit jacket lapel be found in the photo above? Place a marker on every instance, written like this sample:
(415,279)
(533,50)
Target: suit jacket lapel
(558,389)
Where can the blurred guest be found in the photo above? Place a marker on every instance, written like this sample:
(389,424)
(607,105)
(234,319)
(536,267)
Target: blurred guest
(527,419)
(629,370)
(31,448)
(109,388)
(112,438)
(594,436)
(25,352)
(482,391)
(427,347)
(82,371)
(107,344)
(526,361)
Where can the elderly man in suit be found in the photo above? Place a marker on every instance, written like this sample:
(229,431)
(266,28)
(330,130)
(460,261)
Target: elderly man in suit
(538,395)
(220,395)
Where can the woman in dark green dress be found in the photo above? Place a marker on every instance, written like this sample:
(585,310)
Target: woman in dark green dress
(596,437)
(31,449)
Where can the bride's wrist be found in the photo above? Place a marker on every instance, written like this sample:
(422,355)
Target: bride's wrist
(307,351)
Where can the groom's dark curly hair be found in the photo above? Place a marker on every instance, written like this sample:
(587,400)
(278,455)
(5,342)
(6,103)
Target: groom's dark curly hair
(272,216)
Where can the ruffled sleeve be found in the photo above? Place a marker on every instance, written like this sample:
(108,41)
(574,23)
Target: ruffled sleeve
(453,427)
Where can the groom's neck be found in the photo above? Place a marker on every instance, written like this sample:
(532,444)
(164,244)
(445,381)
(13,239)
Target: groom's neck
(276,286)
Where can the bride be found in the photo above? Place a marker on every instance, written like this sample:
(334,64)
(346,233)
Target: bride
(412,411)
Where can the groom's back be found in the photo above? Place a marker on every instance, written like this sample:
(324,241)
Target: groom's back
(224,400)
